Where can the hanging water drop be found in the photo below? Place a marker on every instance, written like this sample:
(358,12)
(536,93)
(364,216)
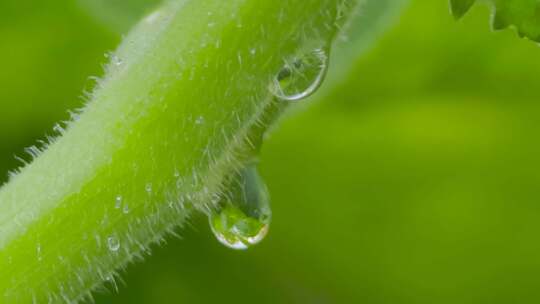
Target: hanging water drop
(244,216)
(113,243)
(301,76)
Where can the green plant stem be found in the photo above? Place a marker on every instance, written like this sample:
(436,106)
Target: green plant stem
(164,127)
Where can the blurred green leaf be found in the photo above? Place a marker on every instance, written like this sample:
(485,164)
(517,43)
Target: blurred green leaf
(460,7)
(523,14)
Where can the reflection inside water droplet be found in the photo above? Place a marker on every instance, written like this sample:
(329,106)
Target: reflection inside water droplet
(301,76)
(244,216)
(236,230)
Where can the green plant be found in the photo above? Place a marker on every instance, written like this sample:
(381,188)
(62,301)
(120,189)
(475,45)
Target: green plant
(524,15)
(183,105)
(167,124)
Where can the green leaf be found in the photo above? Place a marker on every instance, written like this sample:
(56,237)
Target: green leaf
(524,15)
(460,7)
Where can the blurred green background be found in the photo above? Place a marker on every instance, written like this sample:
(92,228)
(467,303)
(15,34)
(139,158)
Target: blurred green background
(415,181)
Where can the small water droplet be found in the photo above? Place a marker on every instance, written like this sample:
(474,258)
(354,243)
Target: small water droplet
(38,252)
(148,188)
(301,76)
(239,56)
(118,202)
(117,61)
(200,120)
(244,217)
(113,243)
(125,210)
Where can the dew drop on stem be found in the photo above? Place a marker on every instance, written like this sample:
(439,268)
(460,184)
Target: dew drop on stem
(113,244)
(243,217)
(301,75)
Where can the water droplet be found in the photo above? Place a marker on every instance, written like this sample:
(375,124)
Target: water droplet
(244,216)
(239,56)
(301,76)
(125,210)
(117,61)
(113,243)
(110,280)
(148,188)
(38,252)
(200,120)
(118,202)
